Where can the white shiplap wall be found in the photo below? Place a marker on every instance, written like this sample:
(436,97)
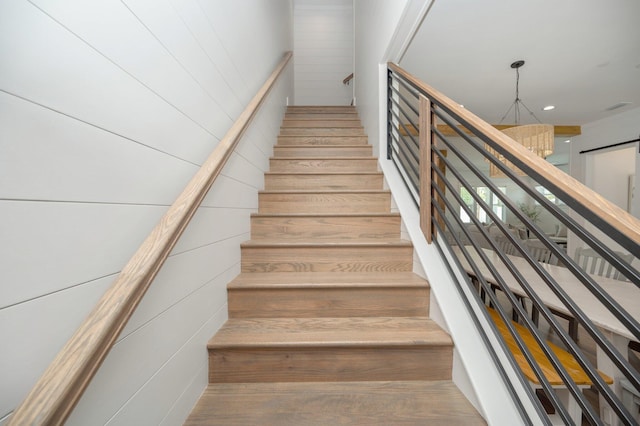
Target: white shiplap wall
(106,111)
(323,47)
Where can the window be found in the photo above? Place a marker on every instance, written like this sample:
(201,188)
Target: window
(497,206)
(548,195)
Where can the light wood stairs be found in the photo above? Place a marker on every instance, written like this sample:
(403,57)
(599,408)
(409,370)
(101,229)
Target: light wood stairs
(327,322)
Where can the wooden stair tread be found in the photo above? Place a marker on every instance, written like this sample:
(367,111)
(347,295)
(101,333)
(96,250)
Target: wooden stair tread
(381,242)
(321,108)
(319,147)
(323,158)
(329,332)
(325,214)
(324,191)
(322,131)
(578,375)
(346,403)
(321,116)
(297,122)
(327,280)
(323,173)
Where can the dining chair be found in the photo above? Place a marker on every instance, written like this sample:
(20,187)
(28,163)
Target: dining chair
(505,245)
(540,252)
(591,262)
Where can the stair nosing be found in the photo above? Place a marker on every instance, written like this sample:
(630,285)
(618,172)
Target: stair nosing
(322,146)
(353,332)
(325,136)
(323,158)
(324,191)
(326,243)
(241,284)
(326,173)
(309,215)
(409,344)
(250,280)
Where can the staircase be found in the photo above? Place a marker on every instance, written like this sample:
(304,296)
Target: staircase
(327,323)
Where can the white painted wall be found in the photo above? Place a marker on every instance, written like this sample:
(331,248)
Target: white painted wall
(375,24)
(106,111)
(323,51)
(383,30)
(618,128)
(607,177)
(608,173)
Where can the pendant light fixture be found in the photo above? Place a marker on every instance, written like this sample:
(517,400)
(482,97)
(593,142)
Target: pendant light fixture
(537,138)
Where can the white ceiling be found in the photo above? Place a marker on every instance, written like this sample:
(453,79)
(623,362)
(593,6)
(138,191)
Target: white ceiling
(582,56)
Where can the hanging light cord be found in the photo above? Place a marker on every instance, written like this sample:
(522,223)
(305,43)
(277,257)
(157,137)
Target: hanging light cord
(517,102)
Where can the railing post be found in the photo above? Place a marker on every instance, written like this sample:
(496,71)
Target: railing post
(426,139)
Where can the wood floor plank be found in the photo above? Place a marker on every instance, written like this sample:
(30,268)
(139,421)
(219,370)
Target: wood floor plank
(409,403)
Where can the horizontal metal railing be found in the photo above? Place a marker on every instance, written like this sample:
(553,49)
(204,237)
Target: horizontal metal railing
(442,151)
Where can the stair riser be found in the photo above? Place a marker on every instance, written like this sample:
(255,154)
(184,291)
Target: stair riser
(321,140)
(322,151)
(321,109)
(319,227)
(353,182)
(379,202)
(329,364)
(327,259)
(321,123)
(305,302)
(285,165)
(320,116)
(294,131)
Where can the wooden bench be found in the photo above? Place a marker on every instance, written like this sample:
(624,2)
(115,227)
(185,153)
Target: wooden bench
(569,363)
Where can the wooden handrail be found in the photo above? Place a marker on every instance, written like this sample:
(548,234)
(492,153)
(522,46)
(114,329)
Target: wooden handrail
(348,79)
(618,218)
(58,390)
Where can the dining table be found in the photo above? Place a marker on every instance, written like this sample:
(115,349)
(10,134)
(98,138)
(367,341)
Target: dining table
(625,293)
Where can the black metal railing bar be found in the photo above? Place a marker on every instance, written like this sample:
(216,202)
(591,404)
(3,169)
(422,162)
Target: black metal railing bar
(398,143)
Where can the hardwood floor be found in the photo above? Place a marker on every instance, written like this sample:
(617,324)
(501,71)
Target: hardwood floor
(327,322)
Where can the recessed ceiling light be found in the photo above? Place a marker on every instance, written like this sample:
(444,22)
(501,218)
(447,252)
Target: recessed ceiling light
(548,108)
(567,141)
